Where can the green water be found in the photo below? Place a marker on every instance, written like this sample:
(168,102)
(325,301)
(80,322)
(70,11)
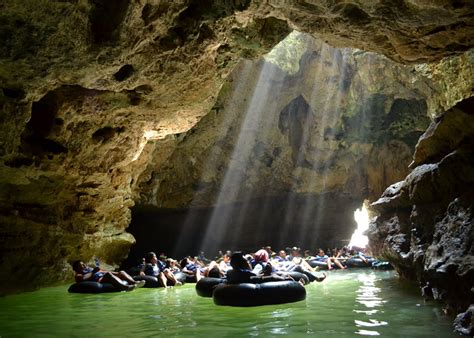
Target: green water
(347,304)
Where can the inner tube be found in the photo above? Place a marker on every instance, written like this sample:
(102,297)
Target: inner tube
(150,281)
(318,264)
(297,275)
(183,277)
(153,282)
(247,294)
(92,287)
(205,286)
(357,262)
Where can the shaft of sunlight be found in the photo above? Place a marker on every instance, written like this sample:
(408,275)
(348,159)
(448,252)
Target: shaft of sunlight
(234,178)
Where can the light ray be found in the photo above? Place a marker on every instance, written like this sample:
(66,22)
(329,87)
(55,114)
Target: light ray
(234,177)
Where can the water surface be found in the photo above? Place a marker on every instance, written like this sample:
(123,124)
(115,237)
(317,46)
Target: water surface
(348,304)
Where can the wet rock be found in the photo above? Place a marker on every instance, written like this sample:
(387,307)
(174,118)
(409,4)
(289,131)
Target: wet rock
(433,243)
(463,324)
(445,134)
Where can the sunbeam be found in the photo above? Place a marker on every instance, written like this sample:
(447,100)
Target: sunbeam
(240,161)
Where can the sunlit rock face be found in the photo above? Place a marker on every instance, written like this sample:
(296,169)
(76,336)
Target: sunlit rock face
(85,85)
(424,224)
(310,130)
(346,121)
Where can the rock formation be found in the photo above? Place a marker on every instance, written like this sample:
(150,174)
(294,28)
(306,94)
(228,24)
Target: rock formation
(424,224)
(85,85)
(313,141)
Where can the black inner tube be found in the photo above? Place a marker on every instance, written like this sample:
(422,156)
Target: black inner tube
(247,294)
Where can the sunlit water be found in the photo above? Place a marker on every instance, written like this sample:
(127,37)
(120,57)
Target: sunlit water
(347,304)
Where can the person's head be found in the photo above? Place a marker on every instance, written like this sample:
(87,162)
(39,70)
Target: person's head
(78,266)
(295,251)
(267,269)
(307,253)
(268,249)
(282,253)
(214,272)
(184,262)
(261,256)
(248,257)
(321,252)
(151,258)
(237,261)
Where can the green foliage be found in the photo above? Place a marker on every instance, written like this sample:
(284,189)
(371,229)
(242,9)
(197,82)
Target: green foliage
(287,53)
(368,122)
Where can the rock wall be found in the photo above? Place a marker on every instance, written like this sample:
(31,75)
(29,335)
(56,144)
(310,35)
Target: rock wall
(85,85)
(303,132)
(346,122)
(424,224)
(411,31)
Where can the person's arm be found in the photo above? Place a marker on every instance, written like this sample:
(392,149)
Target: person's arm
(84,277)
(142,270)
(186,271)
(79,277)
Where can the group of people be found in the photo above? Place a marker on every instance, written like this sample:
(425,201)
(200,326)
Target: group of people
(235,266)
(337,256)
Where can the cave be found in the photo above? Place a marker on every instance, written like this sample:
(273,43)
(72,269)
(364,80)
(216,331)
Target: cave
(191,129)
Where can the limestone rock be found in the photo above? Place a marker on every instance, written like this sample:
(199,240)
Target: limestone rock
(424,225)
(463,324)
(408,31)
(335,125)
(85,85)
(445,134)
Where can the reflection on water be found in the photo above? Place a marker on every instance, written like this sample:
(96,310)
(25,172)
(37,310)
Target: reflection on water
(367,333)
(369,296)
(346,304)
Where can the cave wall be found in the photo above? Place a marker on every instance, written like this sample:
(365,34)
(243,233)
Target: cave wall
(83,81)
(424,223)
(81,84)
(338,112)
(322,121)
(346,122)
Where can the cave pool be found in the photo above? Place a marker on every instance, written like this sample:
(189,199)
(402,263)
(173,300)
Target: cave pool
(347,304)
